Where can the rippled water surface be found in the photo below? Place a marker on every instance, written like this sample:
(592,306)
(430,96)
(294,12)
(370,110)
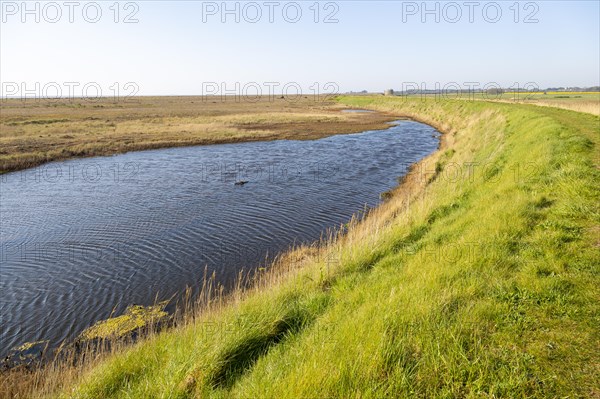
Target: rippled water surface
(83,237)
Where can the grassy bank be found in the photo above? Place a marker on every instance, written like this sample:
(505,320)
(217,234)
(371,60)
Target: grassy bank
(35,131)
(478,278)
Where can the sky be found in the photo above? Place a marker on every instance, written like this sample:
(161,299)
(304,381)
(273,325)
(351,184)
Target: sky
(196,47)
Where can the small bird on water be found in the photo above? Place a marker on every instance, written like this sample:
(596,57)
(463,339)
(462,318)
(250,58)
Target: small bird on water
(241,182)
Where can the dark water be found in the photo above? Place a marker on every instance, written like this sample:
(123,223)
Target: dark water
(81,237)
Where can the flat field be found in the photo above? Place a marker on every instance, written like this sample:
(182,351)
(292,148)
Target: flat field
(34,131)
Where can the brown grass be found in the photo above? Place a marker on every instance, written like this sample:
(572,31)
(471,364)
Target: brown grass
(586,102)
(589,106)
(33,131)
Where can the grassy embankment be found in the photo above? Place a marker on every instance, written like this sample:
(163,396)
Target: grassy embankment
(478,278)
(35,131)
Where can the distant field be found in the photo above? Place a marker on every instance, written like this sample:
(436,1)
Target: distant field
(33,132)
(588,102)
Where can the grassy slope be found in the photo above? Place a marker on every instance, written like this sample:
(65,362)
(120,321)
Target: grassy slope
(481,283)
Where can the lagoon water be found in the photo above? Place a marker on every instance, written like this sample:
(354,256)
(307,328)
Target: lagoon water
(83,238)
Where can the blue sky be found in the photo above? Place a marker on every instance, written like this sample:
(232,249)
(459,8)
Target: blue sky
(181,47)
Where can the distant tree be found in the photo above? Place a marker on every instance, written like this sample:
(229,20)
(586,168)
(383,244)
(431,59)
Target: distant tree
(495,91)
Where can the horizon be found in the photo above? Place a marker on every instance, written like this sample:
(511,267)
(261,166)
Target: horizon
(410,91)
(155,48)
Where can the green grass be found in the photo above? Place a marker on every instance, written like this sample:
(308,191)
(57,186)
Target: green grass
(481,281)
(588,102)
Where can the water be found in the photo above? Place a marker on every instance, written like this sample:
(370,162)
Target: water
(83,237)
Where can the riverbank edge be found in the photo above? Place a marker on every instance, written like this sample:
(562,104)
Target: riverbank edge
(409,187)
(65,153)
(406,185)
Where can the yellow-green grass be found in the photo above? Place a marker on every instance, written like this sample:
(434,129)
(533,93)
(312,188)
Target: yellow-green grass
(135,317)
(35,131)
(588,102)
(478,278)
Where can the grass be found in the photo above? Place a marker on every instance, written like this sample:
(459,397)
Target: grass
(35,131)
(478,277)
(588,102)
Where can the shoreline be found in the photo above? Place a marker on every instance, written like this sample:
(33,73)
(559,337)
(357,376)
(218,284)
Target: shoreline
(404,184)
(34,136)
